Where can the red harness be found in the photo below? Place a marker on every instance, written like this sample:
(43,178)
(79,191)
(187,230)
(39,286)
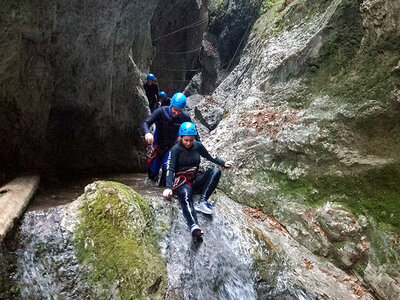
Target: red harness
(186,177)
(152,151)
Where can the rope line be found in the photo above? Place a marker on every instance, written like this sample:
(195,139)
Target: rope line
(248,27)
(183,52)
(177,70)
(197,23)
(239,45)
(177,80)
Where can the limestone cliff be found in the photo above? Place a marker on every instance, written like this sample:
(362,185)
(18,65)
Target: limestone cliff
(70,84)
(310,115)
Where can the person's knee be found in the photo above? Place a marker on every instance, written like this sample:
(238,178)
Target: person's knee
(216,172)
(185,193)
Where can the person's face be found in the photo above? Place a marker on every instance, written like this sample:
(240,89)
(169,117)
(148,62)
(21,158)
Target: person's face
(176,112)
(187,141)
(150,81)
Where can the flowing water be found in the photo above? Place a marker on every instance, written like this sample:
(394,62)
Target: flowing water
(39,261)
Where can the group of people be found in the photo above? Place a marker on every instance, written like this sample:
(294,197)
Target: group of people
(176,149)
(156,98)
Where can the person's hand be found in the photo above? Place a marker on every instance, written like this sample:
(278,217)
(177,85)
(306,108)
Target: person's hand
(167,193)
(149,138)
(228,164)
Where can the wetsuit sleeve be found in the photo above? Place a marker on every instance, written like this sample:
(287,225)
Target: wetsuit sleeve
(204,153)
(151,119)
(171,163)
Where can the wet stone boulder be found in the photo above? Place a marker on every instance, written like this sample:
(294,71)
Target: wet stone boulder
(115,237)
(101,246)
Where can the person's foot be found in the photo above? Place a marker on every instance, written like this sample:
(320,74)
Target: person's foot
(196,230)
(151,182)
(204,207)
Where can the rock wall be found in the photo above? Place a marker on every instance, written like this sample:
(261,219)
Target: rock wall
(70,86)
(177,29)
(313,105)
(227,33)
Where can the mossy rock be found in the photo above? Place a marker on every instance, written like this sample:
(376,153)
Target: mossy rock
(116,239)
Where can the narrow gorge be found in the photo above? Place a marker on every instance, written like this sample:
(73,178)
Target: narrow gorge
(304,97)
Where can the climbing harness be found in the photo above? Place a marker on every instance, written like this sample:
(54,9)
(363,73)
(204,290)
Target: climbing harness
(186,177)
(150,151)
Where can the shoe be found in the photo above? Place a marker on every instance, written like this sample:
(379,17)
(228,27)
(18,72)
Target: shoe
(195,230)
(204,207)
(151,182)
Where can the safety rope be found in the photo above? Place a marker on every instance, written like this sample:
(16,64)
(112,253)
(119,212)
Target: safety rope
(183,28)
(176,70)
(183,52)
(245,33)
(177,80)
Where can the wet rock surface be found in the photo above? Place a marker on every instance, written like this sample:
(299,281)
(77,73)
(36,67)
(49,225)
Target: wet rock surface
(303,138)
(76,88)
(244,254)
(310,116)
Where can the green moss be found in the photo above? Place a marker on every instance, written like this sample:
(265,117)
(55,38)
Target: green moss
(375,193)
(298,13)
(360,268)
(343,69)
(386,247)
(216,8)
(115,237)
(266,5)
(367,76)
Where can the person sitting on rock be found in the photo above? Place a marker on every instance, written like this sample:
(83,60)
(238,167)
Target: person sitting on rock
(185,178)
(163,99)
(151,89)
(167,120)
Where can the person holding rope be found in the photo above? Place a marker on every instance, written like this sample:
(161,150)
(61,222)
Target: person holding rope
(185,178)
(167,120)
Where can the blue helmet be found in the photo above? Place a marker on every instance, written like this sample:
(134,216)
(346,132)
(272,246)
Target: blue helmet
(187,128)
(178,100)
(162,94)
(151,76)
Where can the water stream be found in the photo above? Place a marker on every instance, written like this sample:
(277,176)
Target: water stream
(39,261)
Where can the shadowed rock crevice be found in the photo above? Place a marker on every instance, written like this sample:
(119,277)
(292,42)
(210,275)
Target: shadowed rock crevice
(177,29)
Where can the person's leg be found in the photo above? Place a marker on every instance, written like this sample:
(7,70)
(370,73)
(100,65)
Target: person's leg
(153,106)
(154,168)
(205,184)
(185,196)
(164,170)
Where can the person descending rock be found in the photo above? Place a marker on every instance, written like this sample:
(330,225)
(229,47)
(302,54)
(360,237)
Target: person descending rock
(167,120)
(185,178)
(151,88)
(163,99)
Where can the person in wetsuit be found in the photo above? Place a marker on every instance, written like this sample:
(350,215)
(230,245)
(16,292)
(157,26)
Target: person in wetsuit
(168,119)
(184,178)
(151,89)
(164,100)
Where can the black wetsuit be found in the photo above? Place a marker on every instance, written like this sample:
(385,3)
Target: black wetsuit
(166,101)
(165,136)
(181,159)
(152,95)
